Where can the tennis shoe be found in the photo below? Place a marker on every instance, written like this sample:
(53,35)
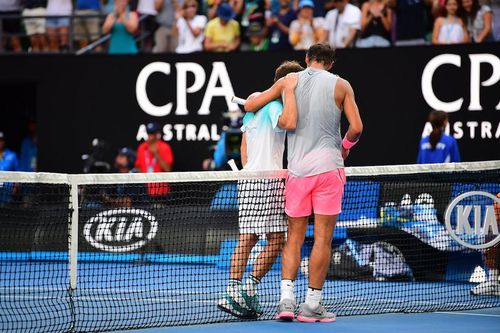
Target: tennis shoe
(286,310)
(252,302)
(312,315)
(488,288)
(235,305)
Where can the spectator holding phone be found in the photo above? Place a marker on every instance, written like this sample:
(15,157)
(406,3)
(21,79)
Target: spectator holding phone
(279,27)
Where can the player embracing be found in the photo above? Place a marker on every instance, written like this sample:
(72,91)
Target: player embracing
(261,210)
(316,154)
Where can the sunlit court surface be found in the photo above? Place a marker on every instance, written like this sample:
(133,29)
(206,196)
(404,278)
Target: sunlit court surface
(249,166)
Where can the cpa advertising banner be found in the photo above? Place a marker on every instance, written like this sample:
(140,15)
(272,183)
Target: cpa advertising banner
(112,98)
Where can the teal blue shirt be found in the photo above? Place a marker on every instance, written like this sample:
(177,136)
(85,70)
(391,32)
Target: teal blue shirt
(265,140)
(122,41)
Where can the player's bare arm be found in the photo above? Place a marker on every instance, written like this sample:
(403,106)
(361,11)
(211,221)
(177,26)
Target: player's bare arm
(257,102)
(288,118)
(345,99)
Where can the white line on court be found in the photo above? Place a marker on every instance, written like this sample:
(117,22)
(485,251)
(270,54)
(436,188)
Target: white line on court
(468,314)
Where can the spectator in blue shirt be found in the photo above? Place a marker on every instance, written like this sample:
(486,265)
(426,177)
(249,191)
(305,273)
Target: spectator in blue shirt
(279,24)
(438,147)
(8,162)
(29,150)
(8,159)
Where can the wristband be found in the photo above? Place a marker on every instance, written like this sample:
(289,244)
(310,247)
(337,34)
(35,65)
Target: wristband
(348,144)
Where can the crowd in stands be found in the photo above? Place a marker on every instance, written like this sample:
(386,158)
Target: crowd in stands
(185,26)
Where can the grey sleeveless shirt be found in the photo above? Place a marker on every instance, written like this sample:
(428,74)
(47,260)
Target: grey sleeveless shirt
(315,146)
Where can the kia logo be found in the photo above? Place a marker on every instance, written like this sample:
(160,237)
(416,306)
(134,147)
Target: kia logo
(120,230)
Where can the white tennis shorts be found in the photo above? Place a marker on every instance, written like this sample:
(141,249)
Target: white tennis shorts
(261,205)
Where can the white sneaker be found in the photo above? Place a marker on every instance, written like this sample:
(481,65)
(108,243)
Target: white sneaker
(488,288)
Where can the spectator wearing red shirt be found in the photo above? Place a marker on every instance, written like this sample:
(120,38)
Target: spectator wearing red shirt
(154,155)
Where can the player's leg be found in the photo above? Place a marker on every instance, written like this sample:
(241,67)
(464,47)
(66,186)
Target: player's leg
(327,199)
(491,257)
(232,301)
(290,261)
(261,266)
(298,208)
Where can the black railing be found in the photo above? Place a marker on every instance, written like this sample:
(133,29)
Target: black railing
(141,35)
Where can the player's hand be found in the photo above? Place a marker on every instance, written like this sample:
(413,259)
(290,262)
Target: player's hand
(290,82)
(345,153)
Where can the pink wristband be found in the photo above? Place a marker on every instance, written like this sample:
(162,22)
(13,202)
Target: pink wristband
(348,144)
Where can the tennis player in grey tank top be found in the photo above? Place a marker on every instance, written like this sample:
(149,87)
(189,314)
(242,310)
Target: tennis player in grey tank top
(315,145)
(316,175)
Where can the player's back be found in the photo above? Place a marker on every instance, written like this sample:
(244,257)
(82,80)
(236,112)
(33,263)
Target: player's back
(315,146)
(265,140)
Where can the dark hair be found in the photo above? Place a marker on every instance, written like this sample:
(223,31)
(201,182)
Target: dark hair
(464,15)
(437,119)
(285,68)
(322,53)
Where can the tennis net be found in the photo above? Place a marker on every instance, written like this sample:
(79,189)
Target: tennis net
(89,253)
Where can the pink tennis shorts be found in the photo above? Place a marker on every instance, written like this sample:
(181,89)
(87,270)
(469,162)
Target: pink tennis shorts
(321,193)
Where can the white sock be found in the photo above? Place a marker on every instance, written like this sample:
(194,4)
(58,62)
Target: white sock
(251,285)
(287,290)
(233,287)
(313,297)
(493,275)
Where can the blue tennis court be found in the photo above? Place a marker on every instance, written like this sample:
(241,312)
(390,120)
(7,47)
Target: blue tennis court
(485,320)
(146,295)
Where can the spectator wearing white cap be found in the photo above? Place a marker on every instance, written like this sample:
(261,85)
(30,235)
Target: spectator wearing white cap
(306,30)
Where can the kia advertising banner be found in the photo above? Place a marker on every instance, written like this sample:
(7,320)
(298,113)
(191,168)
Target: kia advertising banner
(111,98)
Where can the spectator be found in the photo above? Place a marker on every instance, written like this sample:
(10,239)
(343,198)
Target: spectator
(87,28)
(250,8)
(8,162)
(11,26)
(213,6)
(148,24)
(189,28)
(413,21)
(165,41)
(306,30)
(376,22)
(279,24)
(35,27)
(329,5)
(154,155)
(450,29)
(121,195)
(479,20)
(121,24)
(8,159)
(125,161)
(257,34)
(342,25)
(438,147)
(58,27)
(222,33)
(29,150)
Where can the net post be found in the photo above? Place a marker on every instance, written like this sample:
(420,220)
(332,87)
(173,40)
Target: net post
(73,235)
